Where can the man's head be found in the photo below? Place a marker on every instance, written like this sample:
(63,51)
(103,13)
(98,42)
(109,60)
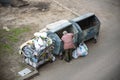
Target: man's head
(65,32)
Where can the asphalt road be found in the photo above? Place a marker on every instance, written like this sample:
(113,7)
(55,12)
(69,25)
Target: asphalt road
(103,61)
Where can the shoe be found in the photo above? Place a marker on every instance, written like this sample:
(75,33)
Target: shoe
(67,60)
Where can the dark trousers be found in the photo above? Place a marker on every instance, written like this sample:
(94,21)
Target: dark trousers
(68,55)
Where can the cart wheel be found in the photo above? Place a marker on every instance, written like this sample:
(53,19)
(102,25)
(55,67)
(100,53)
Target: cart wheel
(37,68)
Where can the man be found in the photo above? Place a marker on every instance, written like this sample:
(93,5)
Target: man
(67,39)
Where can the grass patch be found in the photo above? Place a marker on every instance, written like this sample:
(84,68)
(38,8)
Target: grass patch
(5,48)
(15,33)
(7,39)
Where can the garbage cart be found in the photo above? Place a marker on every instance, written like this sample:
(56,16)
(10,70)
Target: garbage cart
(37,51)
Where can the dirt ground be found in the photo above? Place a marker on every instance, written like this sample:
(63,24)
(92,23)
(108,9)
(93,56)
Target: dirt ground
(34,16)
(103,61)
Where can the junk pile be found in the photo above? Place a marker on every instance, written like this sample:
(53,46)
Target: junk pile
(38,50)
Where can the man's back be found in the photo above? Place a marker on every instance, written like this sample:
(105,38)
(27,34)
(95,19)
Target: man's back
(68,41)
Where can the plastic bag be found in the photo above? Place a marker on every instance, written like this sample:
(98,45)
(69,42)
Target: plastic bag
(74,54)
(28,61)
(37,46)
(82,50)
(38,34)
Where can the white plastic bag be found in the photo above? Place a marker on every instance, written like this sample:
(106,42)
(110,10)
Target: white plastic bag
(28,61)
(85,46)
(74,54)
(82,50)
(40,41)
(37,46)
(38,34)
